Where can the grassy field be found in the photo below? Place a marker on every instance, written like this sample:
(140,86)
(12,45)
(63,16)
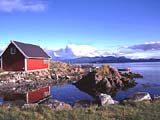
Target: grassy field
(134,111)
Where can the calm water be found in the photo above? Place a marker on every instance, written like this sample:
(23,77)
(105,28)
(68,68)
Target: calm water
(150,83)
(1,100)
(69,94)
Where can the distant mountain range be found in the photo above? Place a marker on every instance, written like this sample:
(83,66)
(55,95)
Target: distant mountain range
(71,55)
(108,59)
(68,55)
(88,54)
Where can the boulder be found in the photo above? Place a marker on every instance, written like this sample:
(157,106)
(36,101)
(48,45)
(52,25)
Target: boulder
(57,105)
(84,103)
(131,75)
(139,96)
(3,73)
(156,98)
(28,106)
(106,99)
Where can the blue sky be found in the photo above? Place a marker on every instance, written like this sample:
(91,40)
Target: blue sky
(103,24)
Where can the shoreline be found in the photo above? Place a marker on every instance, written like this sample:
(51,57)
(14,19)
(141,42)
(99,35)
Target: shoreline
(46,81)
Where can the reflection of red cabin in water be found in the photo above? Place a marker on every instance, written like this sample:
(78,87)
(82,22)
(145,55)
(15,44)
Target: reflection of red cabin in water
(37,94)
(31,96)
(24,57)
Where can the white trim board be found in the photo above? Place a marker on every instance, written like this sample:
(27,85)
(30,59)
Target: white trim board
(1,63)
(25,64)
(37,70)
(38,58)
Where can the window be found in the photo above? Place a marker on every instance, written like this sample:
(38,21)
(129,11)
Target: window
(12,50)
(45,61)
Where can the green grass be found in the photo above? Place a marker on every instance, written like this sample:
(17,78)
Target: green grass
(134,111)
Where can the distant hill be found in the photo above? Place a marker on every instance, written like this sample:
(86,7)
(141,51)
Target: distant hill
(108,59)
(72,58)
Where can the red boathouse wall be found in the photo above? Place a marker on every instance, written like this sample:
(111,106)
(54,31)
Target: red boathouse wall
(38,94)
(34,64)
(12,62)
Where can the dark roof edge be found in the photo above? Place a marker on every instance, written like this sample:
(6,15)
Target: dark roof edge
(13,41)
(6,48)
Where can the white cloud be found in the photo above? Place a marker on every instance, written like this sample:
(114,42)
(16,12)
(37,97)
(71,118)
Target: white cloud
(22,5)
(75,51)
(2,47)
(85,50)
(1,50)
(144,54)
(146,46)
(143,50)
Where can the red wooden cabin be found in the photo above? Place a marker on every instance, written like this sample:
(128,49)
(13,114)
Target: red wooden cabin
(24,57)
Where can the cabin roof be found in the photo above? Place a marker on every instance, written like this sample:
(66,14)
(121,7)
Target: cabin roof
(30,50)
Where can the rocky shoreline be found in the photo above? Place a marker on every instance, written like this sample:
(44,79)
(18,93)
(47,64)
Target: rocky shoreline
(102,100)
(102,82)
(58,74)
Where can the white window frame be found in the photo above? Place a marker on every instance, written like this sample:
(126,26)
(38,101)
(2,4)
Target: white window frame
(13,50)
(45,61)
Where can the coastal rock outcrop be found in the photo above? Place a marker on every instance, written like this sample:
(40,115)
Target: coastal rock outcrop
(105,79)
(62,70)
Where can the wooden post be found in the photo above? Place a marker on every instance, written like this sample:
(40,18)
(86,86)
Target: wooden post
(27,100)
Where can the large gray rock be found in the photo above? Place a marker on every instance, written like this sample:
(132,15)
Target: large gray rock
(106,99)
(156,98)
(28,106)
(139,96)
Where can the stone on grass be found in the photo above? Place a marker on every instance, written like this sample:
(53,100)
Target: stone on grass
(106,99)
(28,106)
(139,96)
(57,105)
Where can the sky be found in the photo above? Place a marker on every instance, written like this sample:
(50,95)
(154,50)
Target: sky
(107,27)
